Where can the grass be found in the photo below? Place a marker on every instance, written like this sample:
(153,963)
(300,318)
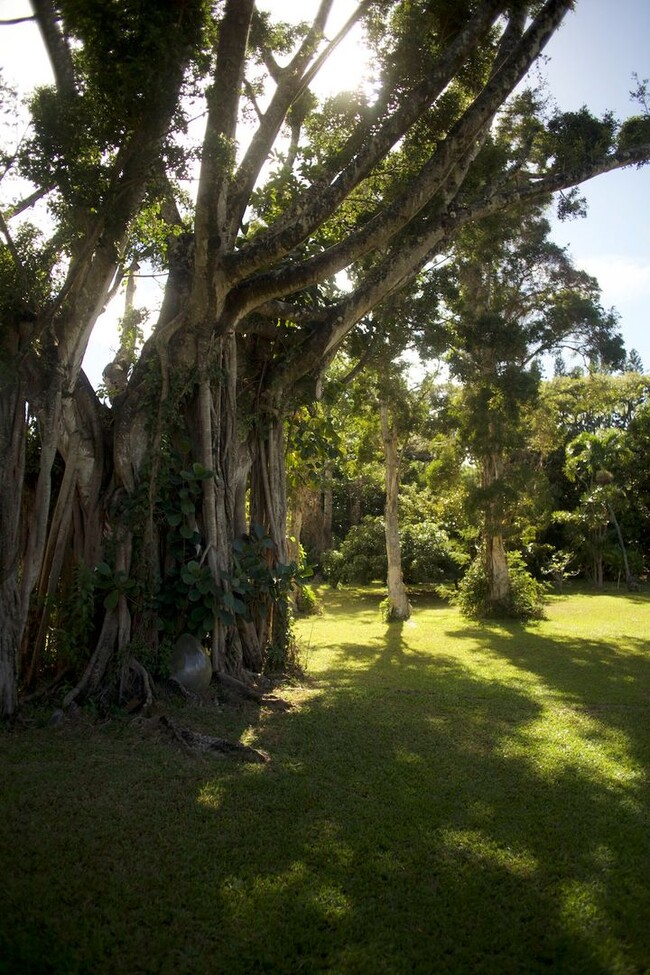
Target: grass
(443,797)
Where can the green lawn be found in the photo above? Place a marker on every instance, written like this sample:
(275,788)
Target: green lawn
(442,797)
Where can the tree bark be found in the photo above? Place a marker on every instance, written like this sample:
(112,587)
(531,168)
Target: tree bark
(12,470)
(496,562)
(497,572)
(629,580)
(399,607)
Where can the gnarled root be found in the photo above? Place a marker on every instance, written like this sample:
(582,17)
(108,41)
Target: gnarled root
(231,684)
(145,698)
(193,742)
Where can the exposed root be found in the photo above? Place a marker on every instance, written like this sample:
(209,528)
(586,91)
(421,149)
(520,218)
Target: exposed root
(251,693)
(145,679)
(180,689)
(45,692)
(239,687)
(136,686)
(193,742)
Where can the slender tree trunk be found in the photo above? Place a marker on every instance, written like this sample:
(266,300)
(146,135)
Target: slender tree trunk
(598,541)
(399,608)
(269,511)
(296,516)
(355,489)
(629,580)
(328,511)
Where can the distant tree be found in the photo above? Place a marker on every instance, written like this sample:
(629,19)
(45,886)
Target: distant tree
(590,460)
(604,415)
(512,295)
(633,362)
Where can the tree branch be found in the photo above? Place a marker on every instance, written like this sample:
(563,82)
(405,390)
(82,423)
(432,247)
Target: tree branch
(217,159)
(290,85)
(29,201)
(56,45)
(321,200)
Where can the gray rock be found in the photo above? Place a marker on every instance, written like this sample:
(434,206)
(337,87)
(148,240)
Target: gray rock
(190,664)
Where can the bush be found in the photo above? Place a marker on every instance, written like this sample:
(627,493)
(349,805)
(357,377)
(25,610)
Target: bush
(306,601)
(428,554)
(526,600)
(361,557)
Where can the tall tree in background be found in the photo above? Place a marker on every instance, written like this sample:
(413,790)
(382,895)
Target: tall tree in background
(592,433)
(512,296)
(154,490)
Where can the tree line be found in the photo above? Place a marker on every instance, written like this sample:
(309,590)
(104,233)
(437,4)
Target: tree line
(570,501)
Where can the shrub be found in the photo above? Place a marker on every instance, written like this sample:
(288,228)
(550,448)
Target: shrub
(361,557)
(429,554)
(526,600)
(306,601)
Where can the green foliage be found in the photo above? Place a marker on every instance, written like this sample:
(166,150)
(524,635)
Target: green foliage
(257,577)
(428,554)
(307,601)
(25,286)
(526,600)
(635,132)
(67,150)
(114,584)
(312,443)
(361,557)
(579,138)
(155,656)
(558,566)
(187,596)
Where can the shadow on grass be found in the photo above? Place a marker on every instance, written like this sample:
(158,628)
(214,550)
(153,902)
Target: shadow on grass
(407,824)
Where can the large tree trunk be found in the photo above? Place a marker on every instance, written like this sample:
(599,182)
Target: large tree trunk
(268,506)
(12,469)
(399,608)
(496,562)
(311,521)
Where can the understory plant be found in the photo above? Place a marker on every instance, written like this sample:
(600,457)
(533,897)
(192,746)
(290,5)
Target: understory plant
(525,601)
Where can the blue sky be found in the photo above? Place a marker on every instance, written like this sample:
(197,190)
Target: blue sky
(592,58)
(590,61)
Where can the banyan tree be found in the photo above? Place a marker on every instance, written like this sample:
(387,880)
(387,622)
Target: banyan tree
(156,505)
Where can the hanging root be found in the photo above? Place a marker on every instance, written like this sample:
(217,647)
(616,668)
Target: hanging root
(144,695)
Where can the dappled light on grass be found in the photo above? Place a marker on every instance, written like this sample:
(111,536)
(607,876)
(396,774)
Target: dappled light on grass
(448,792)
(562,741)
(442,797)
(477,844)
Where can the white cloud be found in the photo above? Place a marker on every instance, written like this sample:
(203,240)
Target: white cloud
(621,278)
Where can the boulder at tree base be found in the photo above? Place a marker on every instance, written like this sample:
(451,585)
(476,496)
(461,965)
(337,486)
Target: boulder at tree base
(190,664)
